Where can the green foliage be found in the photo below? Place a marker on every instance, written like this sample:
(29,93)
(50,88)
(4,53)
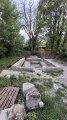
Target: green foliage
(7,62)
(55,21)
(49,83)
(53,73)
(31,116)
(10,41)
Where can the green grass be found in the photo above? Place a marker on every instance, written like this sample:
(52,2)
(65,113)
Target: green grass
(13,81)
(53,73)
(48,84)
(60,93)
(64,86)
(54,108)
(7,62)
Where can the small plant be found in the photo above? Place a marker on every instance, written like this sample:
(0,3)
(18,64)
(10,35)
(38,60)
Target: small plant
(18,99)
(31,116)
(64,86)
(53,73)
(59,92)
(48,84)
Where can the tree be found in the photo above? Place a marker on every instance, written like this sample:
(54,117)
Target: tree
(9,26)
(30,22)
(53,13)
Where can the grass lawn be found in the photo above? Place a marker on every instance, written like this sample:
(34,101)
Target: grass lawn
(6,62)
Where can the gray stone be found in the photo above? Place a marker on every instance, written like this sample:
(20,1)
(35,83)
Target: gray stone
(8,73)
(46,69)
(3,115)
(28,69)
(56,87)
(27,87)
(35,62)
(34,59)
(33,98)
(42,63)
(49,63)
(27,64)
(41,104)
(19,63)
(16,112)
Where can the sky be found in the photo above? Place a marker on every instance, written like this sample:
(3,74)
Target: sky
(18,3)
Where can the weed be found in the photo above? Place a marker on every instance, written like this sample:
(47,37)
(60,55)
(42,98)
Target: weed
(53,73)
(48,84)
(59,92)
(64,86)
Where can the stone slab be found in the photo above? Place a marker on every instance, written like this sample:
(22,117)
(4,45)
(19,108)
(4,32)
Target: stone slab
(46,69)
(8,73)
(33,98)
(3,115)
(42,63)
(28,69)
(49,63)
(34,59)
(35,62)
(27,64)
(27,87)
(19,63)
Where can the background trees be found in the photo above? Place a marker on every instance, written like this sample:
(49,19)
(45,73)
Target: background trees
(9,28)
(30,22)
(54,16)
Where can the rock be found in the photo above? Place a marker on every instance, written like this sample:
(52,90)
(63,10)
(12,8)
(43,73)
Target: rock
(28,69)
(33,98)
(3,115)
(16,112)
(8,73)
(46,69)
(27,87)
(41,104)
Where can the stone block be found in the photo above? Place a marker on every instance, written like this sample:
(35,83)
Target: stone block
(3,115)
(33,98)
(46,69)
(28,69)
(34,59)
(19,63)
(8,73)
(35,62)
(27,87)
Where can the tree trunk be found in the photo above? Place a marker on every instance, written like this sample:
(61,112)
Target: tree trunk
(33,42)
